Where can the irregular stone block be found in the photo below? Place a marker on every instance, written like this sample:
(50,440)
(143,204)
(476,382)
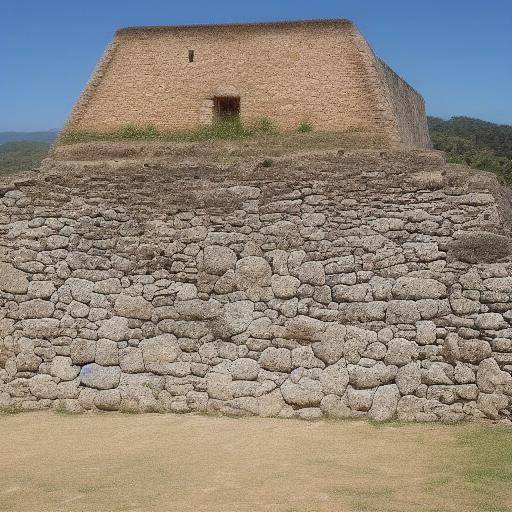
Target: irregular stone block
(408,378)
(218,259)
(416,288)
(83,351)
(276,360)
(62,368)
(43,386)
(384,403)
(377,375)
(284,287)
(100,377)
(219,386)
(491,321)
(306,393)
(159,352)
(235,319)
(252,272)
(133,307)
(312,272)
(41,289)
(115,329)
(334,379)
(479,247)
(401,352)
(12,280)
(27,362)
(305,329)
(244,369)
(402,312)
(107,353)
(36,308)
(474,351)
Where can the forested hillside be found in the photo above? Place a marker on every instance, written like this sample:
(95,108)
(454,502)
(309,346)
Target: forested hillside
(21,156)
(477,143)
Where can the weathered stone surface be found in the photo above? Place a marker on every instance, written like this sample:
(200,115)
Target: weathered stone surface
(244,369)
(12,280)
(490,378)
(491,321)
(265,296)
(306,393)
(285,287)
(100,377)
(80,289)
(219,386)
(62,368)
(133,307)
(107,353)
(83,351)
(304,357)
(36,308)
(305,329)
(312,272)
(334,380)
(159,352)
(402,312)
(276,359)
(474,351)
(108,400)
(401,352)
(235,318)
(384,403)
(480,247)
(41,289)
(27,362)
(218,259)
(360,399)
(43,386)
(492,403)
(377,375)
(408,378)
(418,288)
(115,329)
(252,272)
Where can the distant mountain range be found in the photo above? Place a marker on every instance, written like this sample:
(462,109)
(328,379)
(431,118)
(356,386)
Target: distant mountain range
(47,136)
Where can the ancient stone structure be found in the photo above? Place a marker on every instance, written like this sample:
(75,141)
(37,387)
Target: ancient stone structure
(373,283)
(179,78)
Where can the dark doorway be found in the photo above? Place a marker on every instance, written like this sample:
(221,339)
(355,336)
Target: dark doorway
(226,106)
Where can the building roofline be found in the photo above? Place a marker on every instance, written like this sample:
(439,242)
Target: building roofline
(165,28)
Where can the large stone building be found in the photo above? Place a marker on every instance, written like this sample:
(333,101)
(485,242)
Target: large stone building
(181,77)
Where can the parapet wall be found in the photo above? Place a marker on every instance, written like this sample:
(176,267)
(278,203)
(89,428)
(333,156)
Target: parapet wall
(360,284)
(408,108)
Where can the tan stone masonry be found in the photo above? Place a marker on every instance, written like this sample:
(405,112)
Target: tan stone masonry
(321,71)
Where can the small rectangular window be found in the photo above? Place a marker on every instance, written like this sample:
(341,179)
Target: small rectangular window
(191,55)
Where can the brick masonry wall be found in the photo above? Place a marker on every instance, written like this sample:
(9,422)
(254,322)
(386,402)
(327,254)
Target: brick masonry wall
(373,283)
(323,72)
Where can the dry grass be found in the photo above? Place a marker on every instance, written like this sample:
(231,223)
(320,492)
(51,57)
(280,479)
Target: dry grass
(101,462)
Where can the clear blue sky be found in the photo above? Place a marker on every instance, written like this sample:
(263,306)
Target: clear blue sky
(457,53)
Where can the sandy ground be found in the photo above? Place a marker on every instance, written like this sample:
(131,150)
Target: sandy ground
(116,462)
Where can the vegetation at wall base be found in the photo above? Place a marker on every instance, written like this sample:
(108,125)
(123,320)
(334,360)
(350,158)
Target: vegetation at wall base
(479,144)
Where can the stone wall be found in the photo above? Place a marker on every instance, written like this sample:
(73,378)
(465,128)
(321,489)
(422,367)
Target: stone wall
(320,71)
(408,107)
(372,283)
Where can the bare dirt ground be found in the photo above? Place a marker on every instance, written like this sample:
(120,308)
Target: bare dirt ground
(116,462)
